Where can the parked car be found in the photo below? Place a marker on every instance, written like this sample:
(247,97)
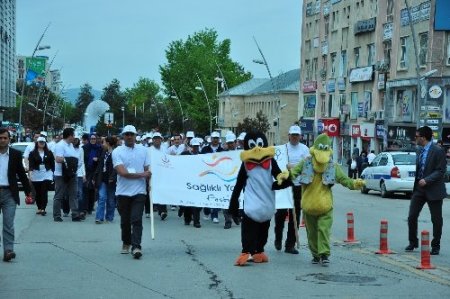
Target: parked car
(391,172)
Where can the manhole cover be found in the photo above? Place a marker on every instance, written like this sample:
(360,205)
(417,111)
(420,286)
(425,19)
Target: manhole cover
(347,278)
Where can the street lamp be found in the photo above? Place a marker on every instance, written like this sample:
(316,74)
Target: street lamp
(202,87)
(123,116)
(175,96)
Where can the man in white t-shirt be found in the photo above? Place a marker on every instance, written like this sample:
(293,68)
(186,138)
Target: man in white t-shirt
(65,184)
(371,156)
(155,150)
(177,147)
(296,151)
(131,162)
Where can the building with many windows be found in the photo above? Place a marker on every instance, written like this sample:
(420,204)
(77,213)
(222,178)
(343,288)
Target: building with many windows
(7,54)
(371,68)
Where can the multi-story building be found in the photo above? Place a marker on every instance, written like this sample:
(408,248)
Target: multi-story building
(7,55)
(359,71)
(277,98)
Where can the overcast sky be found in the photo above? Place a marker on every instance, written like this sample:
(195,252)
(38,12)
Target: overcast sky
(98,40)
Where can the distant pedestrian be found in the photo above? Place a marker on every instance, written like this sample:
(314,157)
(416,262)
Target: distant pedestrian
(92,152)
(155,149)
(355,151)
(11,168)
(429,188)
(371,156)
(131,162)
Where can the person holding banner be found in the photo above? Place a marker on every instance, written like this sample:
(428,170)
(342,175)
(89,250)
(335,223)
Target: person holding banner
(131,162)
(155,149)
(296,151)
(230,140)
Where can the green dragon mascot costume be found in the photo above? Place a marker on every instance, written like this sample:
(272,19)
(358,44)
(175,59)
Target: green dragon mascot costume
(318,174)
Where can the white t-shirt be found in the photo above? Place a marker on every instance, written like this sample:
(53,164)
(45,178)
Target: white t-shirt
(176,150)
(153,151)
(296,153)
(370,157)
(64,149)
(134,159)
(81,171)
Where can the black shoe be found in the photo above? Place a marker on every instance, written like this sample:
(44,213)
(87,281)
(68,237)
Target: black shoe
(237,220)
(8,255)
(57,219)
(227,225)
(324,260)
(411,247)
(82,216)
(291,250)
(197,225)
(434,251)
(43,213)
(315,260)
(76,219)
(187,223)
(277,244)
(163,215)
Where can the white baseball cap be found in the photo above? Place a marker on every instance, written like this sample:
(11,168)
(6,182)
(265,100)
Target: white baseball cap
(138,138)
(190,134)
(41,139)
(129,129)
(43,133)
(194,141)
(157,134)
(242,136)
(230,137)
(295,130)
(215,134)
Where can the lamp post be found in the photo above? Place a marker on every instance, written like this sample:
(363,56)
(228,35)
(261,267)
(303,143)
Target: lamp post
(22,93)
(277,98)
(175,96)
(123,116)
(202,87)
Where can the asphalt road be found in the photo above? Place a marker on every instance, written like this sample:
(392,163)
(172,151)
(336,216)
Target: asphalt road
(82,260)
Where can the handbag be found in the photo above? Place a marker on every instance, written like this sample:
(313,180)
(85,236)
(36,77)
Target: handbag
(29,200)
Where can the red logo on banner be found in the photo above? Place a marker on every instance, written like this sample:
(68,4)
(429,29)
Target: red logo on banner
(331,127)
(356,131)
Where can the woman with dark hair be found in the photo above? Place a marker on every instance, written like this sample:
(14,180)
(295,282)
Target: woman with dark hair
(92,152)
(41,165)
(105,182)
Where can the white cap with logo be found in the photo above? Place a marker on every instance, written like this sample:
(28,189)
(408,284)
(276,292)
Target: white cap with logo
(41,139)
(194,141)
(190,134)
(215,134)
(241,136)
(295,130)
(157,134)
(230,137)
(129,129)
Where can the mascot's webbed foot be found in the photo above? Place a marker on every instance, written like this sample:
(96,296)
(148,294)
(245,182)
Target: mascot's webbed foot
(358,184)
(260,258)
(242,259)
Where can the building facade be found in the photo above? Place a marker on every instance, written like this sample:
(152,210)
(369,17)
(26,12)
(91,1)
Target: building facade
(8,71)
(276,98)
(359,71)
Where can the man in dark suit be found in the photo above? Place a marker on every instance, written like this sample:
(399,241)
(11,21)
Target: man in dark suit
(11,167)
(429,187)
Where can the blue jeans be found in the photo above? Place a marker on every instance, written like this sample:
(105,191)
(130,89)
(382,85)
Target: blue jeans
(106,201)
(8,208)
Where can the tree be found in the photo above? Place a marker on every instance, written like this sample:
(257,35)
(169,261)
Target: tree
(260,123)
(200,57)
(116,100)
(85,97)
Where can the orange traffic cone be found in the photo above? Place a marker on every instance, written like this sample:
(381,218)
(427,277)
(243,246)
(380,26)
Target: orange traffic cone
(384,239)
(350,229)
(425,259)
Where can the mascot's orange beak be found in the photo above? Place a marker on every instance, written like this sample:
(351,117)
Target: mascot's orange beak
(258,154)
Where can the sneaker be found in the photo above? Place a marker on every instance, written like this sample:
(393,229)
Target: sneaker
(163,215)
(315,260)
(137,253)
(324,260)
(216,220)
(147,215)
(8,255)
(125,249)
(58,219)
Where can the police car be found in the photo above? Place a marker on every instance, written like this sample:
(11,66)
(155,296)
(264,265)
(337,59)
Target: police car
(390,172)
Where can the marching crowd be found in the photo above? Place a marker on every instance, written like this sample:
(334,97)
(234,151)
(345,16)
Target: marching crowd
(114,172)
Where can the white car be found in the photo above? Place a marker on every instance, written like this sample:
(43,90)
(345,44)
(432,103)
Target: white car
(391,172)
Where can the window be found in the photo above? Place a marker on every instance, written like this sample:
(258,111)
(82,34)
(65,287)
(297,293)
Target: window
(315,68)
(323,71)
(343,64)
(335,20)
(423,48)
(389,10)
(333,64)
(308,70)
(356,54)
(448,48)
(387,51)
(330,110)
(344,42)
(327,25)
(342,102)
(370,54)
(403,63)
(323,106)
(383,161)
(354,108)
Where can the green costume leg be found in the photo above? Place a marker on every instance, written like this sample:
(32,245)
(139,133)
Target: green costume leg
(311,232)
(324,223)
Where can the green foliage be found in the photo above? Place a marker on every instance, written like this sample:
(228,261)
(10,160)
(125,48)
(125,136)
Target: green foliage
(260,123)
(116,100)
(85,97)
(199,57)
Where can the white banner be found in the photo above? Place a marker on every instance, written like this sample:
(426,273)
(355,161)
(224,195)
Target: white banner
(204,180)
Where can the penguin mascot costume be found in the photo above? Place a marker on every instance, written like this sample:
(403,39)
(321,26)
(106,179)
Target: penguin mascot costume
(258,176)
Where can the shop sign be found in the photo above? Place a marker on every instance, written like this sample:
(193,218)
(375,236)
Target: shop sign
(387,31)
(331,85)
(361,74)
(356,131)
(331,126)
(307,126)
(401,83)
(379,130)
(309,86)
(365,26)
(367,130)
(419,13)
(341,83)
(381,84)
